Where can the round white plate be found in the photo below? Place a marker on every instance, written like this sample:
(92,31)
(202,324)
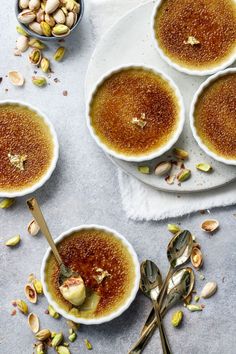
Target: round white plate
(130,41)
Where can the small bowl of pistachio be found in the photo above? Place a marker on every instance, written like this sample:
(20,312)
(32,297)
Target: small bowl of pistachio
(49,19)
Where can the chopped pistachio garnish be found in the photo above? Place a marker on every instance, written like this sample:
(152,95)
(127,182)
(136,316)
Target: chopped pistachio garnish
(88,344)
(144,169)
(204,167)
(141,123)
(194,308)
(192,41)
(17,161)
(6,203)
(102,274)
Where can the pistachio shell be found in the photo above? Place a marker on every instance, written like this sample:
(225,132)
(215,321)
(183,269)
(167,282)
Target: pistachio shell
(22,306)
(209,290)
(180,153)
(170,179)
(70,4)
(13,241)
(43,334)
(51,6)
(22,43)
(40,16)
(50,20)
(35,43)
(23,4)
(35,57)
(34,4)
(33,322)
(163,168)
(76,8)
(35,27)
(16,78)
(59,16)
(210,225)
(46,29)
(72,325)
(196,257)
(31,293)
(33,228)
(60,30)
(26,17)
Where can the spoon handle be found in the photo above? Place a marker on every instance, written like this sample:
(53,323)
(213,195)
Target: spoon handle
(39,218)
(165,344)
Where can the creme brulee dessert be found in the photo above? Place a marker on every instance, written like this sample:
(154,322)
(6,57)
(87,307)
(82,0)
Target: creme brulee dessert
(105,265)
(26,147)
(135,111)
(215,116)
(196,34)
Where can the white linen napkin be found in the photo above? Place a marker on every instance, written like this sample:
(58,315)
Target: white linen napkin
(139,201)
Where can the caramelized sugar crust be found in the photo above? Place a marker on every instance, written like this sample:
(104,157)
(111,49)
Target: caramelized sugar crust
(211,22)
(85,251)
(22,132)
(134,93)
(215,116)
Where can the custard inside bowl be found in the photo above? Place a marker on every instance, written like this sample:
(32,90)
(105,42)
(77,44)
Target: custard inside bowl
(108,265)
(213,116)
(195,37)
(135,113)
(28,150)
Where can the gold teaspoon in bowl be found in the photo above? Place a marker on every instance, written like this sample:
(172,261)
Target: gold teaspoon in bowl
(150,285)
(71,283)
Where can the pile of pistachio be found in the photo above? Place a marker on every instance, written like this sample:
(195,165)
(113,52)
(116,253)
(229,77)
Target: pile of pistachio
(210,288)
(49,17)
(164,168)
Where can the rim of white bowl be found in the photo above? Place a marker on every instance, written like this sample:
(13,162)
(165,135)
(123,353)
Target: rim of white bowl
(24,191)
(202,87)
(122,308)
(229,61)
(155,153)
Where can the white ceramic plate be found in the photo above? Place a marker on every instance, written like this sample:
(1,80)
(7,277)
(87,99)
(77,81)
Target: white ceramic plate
(121,309)
(130,40)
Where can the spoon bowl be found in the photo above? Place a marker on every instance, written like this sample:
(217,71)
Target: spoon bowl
(151,279)
(179,248)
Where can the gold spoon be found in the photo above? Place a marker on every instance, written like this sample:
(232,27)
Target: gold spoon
(65,272)
(179,286)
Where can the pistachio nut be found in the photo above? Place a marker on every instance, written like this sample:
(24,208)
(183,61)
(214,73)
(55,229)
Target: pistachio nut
(58,338)
(46,29)
(22,43)
(51,6)
(53,334)
(37,44)
(43,334)
(21,31)
(180,153)
(70,4)
(50,20)
(45,65)
(59,54)
(35,27)
(209,290)
(52,312)
(72,337)
(177,318)
(74,311)
(34,4)
(72,325)
(196,258)
(204,167)
(196,298)
(33,228)
(38,286)
(60,30)
(163,168)
(40,348)
(183,175)
(26,17)
(23,4)
(13,241)
(64,9)
(194,308)
(40,15)
(173,228)
(88,344)
(7,203)
(210,225)
(202,277)
(31,278)
(31,293)
(39,81)
(70,19)
(33,322)
(144,169)
(59,16)
(63,350)
(35,57)
(22,306)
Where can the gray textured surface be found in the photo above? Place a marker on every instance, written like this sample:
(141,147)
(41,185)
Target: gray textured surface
(84,189)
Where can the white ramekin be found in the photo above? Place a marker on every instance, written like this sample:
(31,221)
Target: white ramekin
(155,153)
(48,173)
(118,311)
(206,83)
(227,62)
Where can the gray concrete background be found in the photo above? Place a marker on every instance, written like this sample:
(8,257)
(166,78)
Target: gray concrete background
(84,189)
